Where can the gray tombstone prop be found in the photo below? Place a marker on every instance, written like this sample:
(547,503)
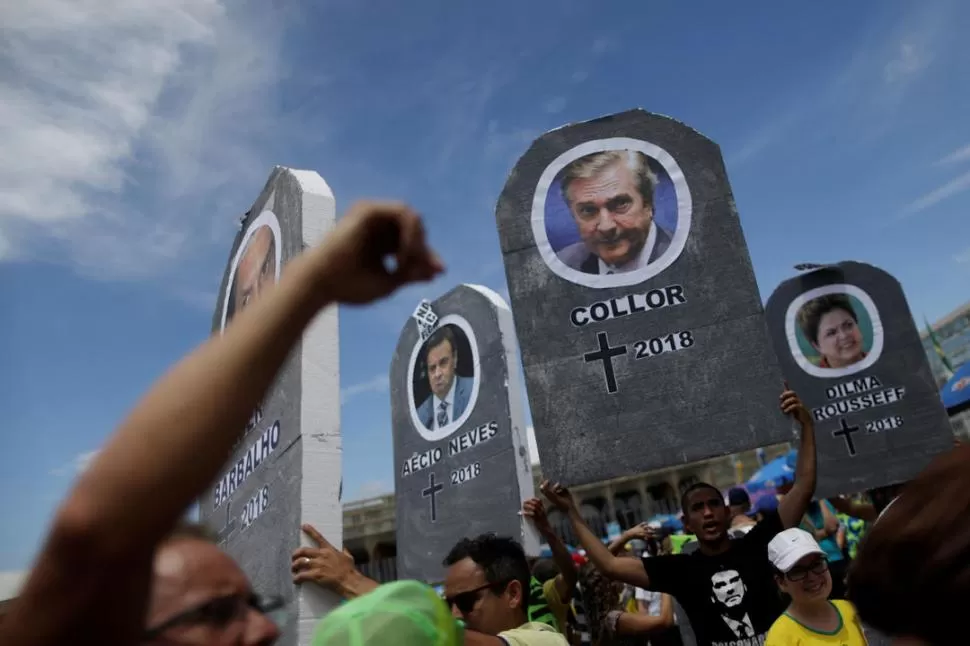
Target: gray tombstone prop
(865,378)
(665,361)
(285,470)
(470,472)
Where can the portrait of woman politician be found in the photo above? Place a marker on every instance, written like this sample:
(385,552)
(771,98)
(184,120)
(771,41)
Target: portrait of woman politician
(444,378)
(831,326)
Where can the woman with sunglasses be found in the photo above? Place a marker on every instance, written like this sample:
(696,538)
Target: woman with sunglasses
(802,573)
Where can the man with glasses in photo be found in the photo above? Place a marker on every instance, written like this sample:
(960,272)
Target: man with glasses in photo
(200,595)
(487,587)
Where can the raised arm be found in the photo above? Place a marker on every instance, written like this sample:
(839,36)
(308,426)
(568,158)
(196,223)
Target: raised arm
(566,579)
(793,506)
(620,569)
(328,567)
(637,623)
(641,532)
(93,573)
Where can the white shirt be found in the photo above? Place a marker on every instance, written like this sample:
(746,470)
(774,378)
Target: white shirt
(642,259)
(449,403)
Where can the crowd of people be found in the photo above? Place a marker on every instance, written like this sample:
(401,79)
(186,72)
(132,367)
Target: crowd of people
(119,567)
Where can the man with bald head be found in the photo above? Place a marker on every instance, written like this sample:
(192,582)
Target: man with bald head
(255,271)
(199,595)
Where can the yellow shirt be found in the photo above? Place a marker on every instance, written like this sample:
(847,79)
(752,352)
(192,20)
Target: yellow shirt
(787,631)
(558,608)
(533,634)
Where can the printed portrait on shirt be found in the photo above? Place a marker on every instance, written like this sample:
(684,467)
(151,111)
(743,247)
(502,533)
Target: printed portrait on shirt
(727,590)
(611,212)
(444,378)
(834,331)
(255,267)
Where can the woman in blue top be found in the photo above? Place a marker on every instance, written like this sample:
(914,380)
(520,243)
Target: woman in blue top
(822,522)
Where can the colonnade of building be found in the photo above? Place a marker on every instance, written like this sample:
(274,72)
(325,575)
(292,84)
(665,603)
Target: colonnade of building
(369,525)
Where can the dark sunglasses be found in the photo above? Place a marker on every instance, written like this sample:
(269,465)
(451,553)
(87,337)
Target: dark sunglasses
(219,613)
(800,572)
(465,601)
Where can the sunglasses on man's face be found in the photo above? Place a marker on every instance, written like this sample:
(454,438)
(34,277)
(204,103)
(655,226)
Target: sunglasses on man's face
(799,572)
(219,613)
(467,600)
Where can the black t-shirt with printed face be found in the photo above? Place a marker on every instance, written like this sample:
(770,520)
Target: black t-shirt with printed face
(731,599)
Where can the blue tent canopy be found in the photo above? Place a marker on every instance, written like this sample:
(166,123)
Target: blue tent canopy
(956,392)
(775,473)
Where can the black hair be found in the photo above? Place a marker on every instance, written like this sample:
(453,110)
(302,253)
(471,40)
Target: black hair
(438,337)
(544,569)
(501,558)
(697,486)
(811,313)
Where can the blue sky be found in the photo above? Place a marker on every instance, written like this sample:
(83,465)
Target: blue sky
(135,136)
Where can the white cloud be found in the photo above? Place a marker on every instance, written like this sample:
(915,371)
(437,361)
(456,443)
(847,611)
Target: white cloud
(114,110)
(957,156)
(6,247)
(555,105)
(910,59)
(77,465)
(963,257)
(378,384)
(868,89)
(955,186)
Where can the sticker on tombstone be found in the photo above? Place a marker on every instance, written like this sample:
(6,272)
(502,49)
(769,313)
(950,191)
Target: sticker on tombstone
(638,316)
(460,450)
(285,469)
(848,344)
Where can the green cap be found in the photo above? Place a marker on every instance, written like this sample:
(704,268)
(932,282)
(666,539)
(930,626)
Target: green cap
(403,613)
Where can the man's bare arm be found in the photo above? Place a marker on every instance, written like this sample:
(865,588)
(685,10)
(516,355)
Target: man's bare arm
(638,532)
(630,623)
(795,503)
(565,581)
(567,577)
(620,569)
(92,575)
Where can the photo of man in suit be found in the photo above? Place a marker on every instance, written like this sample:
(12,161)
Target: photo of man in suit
(610,195)
(449,391)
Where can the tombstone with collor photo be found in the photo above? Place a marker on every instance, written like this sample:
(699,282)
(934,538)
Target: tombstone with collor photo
(285,469)
(638,316)
(460,451)
(848,344)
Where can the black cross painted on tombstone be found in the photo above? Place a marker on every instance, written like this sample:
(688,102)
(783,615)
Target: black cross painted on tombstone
(606,354)
(434,488)
(230,525)
(846,432)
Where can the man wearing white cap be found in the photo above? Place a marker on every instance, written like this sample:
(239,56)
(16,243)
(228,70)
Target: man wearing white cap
(802,572)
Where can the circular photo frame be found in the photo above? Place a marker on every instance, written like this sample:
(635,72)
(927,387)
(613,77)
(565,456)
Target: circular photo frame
(611,175)
(466,377)
(834,331)
(261,251)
